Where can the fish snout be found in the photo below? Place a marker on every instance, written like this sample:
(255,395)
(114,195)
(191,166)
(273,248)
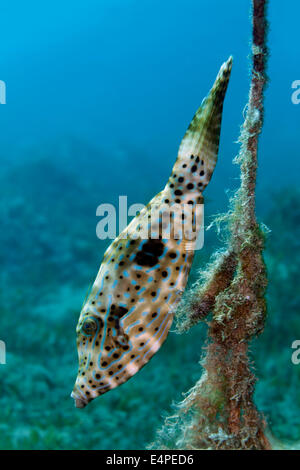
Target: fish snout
(80,401)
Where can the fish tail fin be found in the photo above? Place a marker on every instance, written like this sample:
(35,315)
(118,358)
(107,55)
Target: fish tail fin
(203,134)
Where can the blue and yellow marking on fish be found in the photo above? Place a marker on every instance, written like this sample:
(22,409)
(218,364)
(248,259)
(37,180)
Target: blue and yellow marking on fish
(130,308)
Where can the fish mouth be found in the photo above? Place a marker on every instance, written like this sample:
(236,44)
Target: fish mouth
(80,402)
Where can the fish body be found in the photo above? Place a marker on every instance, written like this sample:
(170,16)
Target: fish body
(130,308)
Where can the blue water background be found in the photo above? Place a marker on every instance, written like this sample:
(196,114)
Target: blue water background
(99,95)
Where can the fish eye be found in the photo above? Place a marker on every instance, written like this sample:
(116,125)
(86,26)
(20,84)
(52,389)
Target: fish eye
(89,326)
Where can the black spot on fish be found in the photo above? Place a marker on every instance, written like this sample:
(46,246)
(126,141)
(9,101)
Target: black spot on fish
(117,312)
(148,255)
(142,259)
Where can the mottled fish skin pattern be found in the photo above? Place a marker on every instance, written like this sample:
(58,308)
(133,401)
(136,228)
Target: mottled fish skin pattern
(130,308)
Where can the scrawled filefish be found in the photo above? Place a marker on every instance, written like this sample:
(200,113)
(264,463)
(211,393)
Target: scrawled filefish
(130,308)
